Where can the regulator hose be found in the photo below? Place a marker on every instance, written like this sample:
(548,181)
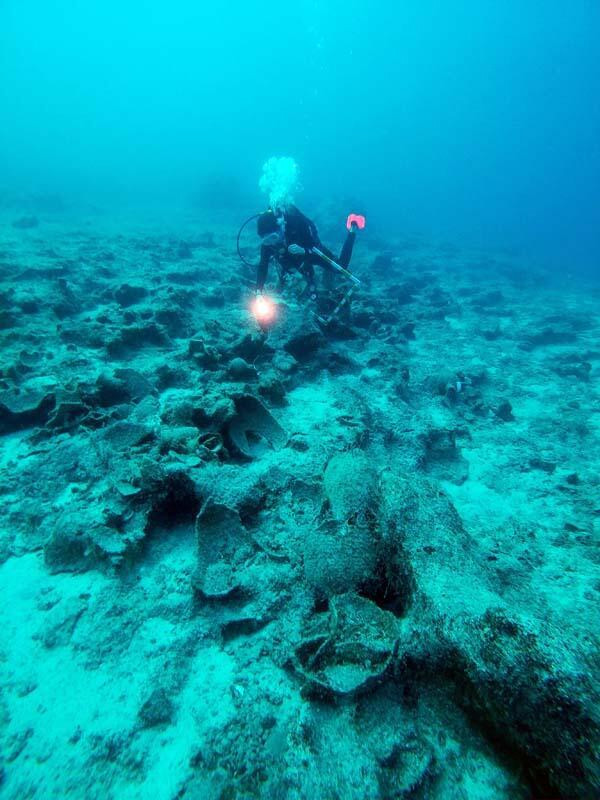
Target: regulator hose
(239,252)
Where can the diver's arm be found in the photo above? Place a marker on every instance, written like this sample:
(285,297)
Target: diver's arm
(263,267)
(314,234)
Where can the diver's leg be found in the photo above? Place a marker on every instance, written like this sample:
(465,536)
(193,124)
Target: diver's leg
(343,260)
(328,273)
(283,270)
(346,253)
(328,270)
(263,266)
(308,271)
(333,298)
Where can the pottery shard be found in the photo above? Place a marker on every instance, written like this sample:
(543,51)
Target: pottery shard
(349,650)
(224,546)
(253,429)
(25,411)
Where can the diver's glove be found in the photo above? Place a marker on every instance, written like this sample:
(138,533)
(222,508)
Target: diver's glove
(296,250)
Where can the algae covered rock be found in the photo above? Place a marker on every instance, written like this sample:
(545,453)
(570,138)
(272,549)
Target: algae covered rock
(241,370)
(516,676)
(441,457)
(349,484)
(127,295)
(540,697)
(91,535)
(157,710)
(224,546)
(182,439)
(244,588)
(26,410)
(339,557)
(340,554)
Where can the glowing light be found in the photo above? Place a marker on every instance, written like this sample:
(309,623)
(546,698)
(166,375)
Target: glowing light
(264,310)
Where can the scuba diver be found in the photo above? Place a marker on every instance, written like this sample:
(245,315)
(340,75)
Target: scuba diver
(292,239)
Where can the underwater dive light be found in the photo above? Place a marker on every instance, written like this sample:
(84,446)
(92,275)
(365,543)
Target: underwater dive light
(263,310)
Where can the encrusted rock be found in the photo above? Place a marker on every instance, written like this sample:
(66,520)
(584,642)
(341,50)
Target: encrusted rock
(158,709)
(240,370)
(223,547)
(127,295)
(348,650)
(18,412)
(349,484)
(339,557)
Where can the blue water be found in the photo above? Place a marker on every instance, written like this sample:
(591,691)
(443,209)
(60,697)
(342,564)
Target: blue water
(479,123)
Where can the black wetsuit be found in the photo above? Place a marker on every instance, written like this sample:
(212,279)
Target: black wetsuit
(299,229)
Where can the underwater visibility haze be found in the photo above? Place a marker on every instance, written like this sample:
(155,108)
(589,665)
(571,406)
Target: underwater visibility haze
(471,120)
(299,400)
